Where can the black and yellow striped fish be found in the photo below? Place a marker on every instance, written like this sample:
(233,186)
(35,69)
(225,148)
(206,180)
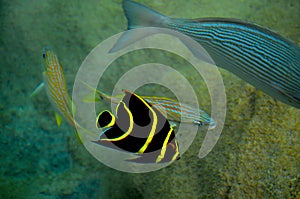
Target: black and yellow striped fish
(138,128)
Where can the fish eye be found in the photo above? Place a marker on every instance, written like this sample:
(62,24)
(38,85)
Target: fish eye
(44,55)
(198,123)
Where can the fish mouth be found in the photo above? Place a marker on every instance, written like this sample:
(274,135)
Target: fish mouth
(211,123)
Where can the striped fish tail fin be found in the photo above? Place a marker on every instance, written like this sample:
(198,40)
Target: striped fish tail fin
(139,16)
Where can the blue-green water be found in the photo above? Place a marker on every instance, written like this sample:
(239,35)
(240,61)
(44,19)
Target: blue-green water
(257,155)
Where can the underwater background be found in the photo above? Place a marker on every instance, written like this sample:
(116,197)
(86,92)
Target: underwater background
(257,155)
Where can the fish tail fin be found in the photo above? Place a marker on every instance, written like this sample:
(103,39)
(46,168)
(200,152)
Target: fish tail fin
(139,16)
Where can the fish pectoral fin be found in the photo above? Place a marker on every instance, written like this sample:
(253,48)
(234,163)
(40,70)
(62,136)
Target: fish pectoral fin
(72,106)
(95,96)
(37,89)
(58,119)
(90,99)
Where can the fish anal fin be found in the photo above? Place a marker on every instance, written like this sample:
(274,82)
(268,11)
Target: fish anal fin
(108,144)
(97,95)
(145,158)
(78,137)
(72,106)
(293,96)
(91,99)
(58,119)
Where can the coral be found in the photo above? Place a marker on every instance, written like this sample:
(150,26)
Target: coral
(12,188)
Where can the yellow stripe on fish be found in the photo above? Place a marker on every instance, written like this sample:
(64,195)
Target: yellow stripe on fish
(153,125)
(139,128)
(102,116)
(107,120)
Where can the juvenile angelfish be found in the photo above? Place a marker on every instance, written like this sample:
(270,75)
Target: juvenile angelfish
(256,54)
(138,128)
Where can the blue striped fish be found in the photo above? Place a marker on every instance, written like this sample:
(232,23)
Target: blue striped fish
(258,55)
(180,112)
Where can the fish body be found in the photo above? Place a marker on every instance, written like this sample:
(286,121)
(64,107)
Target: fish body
(171,109)
(56,89)
(55,86)
(138,128)
(258,55)
(180,112)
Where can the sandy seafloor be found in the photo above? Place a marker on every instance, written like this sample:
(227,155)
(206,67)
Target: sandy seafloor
(257,155)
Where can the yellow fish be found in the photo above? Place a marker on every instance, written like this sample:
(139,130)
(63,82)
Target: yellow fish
(56,89)
(55,85)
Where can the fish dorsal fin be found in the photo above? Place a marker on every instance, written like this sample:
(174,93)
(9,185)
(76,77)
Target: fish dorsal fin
(138,16)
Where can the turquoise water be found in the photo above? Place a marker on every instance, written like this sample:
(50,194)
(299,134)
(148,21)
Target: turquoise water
(257,155)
